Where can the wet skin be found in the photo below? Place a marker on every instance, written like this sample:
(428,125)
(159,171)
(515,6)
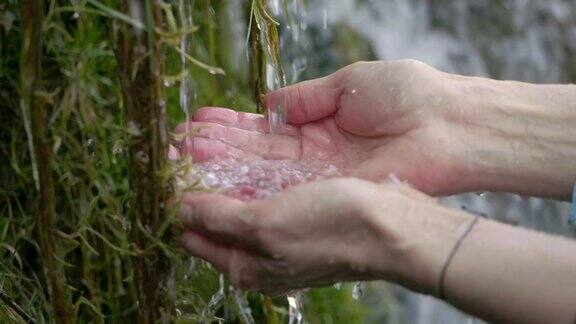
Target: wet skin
(443,134)
(369,119)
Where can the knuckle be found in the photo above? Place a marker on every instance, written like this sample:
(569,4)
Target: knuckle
(352,69)
(210,226)
(360,64)
(411,67)
(255,223)
(411,63)
(262,237)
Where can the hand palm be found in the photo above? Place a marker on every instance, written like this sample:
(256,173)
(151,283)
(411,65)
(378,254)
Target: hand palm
(363,130)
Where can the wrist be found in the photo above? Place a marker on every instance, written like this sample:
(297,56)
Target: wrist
(426,256)
(416,237)
(521,137)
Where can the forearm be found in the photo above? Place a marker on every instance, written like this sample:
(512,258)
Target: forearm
(521,137)
(499,273)
(512,275)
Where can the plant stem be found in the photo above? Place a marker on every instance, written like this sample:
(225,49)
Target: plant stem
(257,57)
(36,119)
(263,50)
(140,59)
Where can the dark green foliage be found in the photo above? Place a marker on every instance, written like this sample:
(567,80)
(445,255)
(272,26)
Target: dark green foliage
(91,148)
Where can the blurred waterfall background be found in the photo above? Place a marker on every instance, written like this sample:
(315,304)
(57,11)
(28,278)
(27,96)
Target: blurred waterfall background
(524,40)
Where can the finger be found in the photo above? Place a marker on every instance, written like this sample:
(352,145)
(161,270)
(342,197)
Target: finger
(307,101)
(217,254)
(217,115)
(219,218)
(206,149)
(250,142)
(238,119)
(228,117)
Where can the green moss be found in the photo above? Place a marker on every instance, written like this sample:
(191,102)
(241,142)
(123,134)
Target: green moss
(333,306)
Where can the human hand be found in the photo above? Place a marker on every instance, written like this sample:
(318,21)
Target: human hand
(320,233)
(443,133)
(370,119)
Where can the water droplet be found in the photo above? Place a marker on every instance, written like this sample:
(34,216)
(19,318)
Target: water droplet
(255,178)
(142,157)
(243,306)
(215,301)
(134,129)
(117,149)
(76,15)
(191,269)
(126,223)
(211,179)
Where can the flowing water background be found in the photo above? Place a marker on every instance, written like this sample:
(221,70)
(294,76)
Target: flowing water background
(526,40)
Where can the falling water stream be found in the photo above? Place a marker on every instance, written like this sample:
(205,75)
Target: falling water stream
(215,302)
(275,79)
(295,307)
(187,92)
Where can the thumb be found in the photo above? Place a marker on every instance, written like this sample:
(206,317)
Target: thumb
(307,101)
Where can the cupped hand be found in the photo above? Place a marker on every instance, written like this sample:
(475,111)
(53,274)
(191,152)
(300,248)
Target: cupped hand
(313,234)
(371,119)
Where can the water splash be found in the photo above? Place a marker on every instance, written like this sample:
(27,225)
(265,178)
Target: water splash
(295,307)
(243,306)
(358,290)
(207,315)
(256,178)
(191,268)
